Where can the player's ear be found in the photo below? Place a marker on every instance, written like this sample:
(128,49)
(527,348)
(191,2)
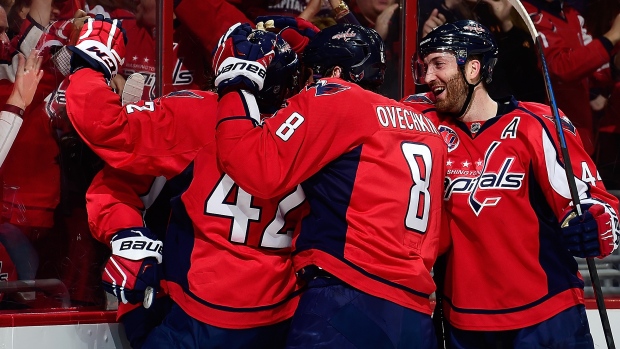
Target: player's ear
(473,70)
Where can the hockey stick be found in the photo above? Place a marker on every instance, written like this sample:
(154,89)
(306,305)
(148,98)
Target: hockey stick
(596,284)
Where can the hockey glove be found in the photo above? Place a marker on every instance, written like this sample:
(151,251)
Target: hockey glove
(591,234)
(101,46)
(239,63)
(133,265)
(294,30)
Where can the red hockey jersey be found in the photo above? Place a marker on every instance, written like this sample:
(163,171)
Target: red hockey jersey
(571,62)
(372,170)
(227,254)
(506,190)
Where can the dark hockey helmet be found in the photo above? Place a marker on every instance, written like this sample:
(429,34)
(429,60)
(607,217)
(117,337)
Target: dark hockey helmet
(463,38)
(357,50)
(282,76)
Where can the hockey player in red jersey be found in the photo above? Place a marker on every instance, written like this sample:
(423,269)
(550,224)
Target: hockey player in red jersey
(511,280)
(226,254)
(371,169)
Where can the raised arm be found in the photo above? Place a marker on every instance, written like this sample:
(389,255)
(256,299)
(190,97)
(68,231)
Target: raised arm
(27,79)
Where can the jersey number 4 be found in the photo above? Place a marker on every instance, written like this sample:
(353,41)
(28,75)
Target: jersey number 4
(420,163)
(241,210)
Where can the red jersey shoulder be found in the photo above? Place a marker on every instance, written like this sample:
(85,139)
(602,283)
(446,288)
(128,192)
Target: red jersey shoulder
(424,99)
(544,113)
(425,103)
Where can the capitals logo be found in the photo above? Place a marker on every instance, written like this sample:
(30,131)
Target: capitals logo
(449,136)
(324,88)
(501,179)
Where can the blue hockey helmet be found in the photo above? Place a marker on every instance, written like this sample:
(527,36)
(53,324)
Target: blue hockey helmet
(357,50)
(463,38)
(282,75)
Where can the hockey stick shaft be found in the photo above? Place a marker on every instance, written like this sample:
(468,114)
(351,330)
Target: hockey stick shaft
(596,283)
(570,178)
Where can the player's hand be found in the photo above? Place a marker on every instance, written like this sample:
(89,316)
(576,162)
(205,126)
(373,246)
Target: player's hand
(134,265)
(588,235)
(101,46)
(294,30)
(240,63)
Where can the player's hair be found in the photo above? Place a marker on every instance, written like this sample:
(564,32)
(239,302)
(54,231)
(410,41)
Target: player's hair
(464,38)
(282,75)
(357,50)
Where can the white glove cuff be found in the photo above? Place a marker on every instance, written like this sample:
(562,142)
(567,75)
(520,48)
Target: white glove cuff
(233,67)
(137,248)
(614,223)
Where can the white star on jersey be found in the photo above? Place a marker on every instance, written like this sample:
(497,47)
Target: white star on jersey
(465,163)
(449,163)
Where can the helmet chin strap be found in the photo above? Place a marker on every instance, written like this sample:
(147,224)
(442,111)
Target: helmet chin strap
(470,93)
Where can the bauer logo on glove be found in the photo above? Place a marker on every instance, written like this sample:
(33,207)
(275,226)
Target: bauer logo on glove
(134,265)
(242,57)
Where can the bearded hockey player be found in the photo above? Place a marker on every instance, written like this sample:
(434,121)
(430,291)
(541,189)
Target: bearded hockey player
(511,279)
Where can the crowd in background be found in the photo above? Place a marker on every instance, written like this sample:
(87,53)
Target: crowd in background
(44,230)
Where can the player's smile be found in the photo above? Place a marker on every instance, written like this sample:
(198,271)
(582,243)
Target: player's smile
(437,89)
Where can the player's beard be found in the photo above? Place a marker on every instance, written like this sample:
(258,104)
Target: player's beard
(455,95)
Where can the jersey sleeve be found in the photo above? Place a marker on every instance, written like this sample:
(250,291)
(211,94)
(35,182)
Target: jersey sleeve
(158,138)
(294,143)
(113,202)
(550,171)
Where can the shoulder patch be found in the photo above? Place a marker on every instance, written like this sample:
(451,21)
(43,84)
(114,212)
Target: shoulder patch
(449,136)
(566,123)
(324,88)
(418,98)
(184,94)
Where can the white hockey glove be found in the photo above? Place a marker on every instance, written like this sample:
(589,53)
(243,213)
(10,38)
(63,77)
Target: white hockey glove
(240,63)
(134,265)
(101,46)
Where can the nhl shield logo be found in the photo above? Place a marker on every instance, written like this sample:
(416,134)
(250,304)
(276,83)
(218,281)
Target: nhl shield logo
(449,136)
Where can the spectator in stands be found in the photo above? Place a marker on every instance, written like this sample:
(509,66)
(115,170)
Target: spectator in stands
(573,58)
(605,97)
(14,243)
(41,207)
